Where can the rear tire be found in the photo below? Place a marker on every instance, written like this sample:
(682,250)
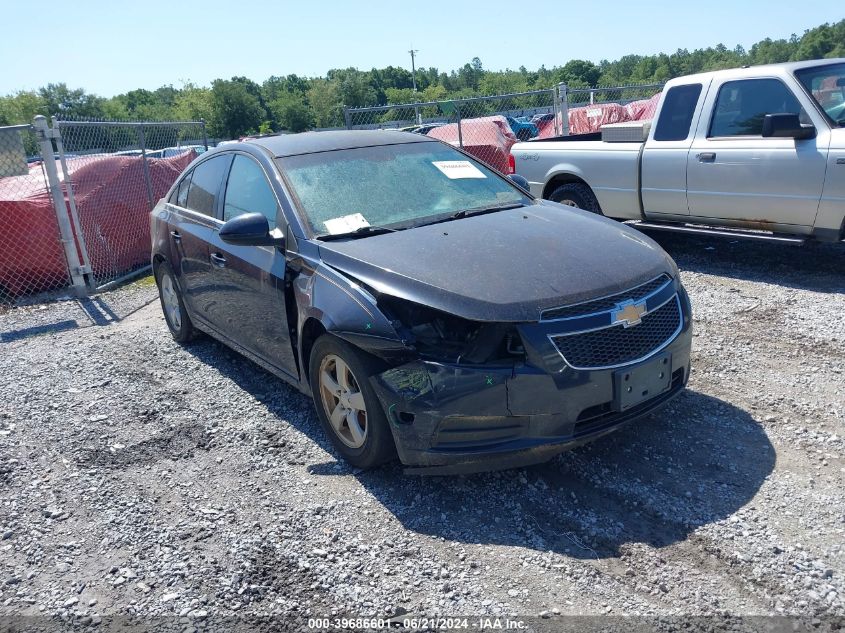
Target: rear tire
(347,406)
(576,194)
(175,314)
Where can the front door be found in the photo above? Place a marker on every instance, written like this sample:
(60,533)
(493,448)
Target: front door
(733,172)
(248,281)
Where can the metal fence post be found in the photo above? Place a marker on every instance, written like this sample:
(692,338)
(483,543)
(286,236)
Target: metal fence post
(347,117)
(45,142)
(85,267)
(458,116)
(142,143)
(204,134)
(563,106)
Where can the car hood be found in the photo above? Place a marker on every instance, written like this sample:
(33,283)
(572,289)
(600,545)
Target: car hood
(503,266)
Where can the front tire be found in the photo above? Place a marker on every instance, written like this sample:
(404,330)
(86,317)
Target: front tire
(576,194)
(175,314)
(346,404)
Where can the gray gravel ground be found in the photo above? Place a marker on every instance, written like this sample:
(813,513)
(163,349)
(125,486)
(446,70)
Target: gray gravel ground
(138,477)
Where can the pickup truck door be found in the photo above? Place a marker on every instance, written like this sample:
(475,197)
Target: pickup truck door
(663,181)
(734,173)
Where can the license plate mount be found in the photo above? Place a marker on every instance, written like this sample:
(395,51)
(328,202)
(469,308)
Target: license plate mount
(635,385)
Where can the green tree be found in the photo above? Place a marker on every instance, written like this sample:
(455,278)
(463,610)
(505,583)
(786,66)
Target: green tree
(67,103)
(291,112)
(325,100)
(580,72)
(21,107)
(235,111)
(192,103)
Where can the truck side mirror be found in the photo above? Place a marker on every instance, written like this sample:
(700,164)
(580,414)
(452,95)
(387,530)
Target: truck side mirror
(786,125)
(520,181)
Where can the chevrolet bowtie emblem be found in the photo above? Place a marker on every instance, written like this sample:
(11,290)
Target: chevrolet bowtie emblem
(629,314)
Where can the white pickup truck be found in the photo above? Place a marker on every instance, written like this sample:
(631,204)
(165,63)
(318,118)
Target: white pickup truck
(757,151)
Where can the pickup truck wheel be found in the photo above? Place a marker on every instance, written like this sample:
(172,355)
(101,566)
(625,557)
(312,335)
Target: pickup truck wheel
(576,194)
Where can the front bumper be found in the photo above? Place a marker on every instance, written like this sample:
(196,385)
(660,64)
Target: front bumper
(451,419)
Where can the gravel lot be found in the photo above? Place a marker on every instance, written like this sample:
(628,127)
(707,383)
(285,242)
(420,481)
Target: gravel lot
(138,477)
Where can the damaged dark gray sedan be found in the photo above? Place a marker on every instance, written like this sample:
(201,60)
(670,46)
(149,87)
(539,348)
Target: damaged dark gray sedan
(433,309)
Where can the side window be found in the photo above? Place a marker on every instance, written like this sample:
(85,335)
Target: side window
(174,195)
(205,183)
(676,114)
(248,191)
(182,192)
(741,106)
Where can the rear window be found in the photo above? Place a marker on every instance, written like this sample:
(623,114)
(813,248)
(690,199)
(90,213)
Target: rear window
(205,184)
(676,114)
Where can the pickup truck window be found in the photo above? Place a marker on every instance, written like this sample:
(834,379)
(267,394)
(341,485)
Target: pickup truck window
(826,84)
(741,106)
(676,115)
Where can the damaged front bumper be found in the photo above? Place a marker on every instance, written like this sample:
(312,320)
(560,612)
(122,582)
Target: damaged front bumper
(453,419)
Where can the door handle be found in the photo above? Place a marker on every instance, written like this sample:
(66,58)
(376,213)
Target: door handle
(707,157)
(177,237)
(218,260)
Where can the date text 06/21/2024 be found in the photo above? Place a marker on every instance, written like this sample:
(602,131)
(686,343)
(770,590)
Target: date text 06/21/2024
(491,623)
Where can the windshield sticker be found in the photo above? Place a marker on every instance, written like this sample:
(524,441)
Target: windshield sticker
(346,223)
(455,169)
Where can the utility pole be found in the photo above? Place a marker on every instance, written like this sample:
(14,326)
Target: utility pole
(413,52)
(413,68)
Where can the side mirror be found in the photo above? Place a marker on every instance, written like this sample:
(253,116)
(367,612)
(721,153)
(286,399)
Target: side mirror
(250,229)
(520,182)
(786,125)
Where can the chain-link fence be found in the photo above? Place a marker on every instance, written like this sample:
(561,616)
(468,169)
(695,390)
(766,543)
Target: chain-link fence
(588,109)
(487,127)
(114,173)
(32,256)
(75,200)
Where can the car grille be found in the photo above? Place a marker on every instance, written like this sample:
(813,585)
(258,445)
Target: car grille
(636,294)
(618,345)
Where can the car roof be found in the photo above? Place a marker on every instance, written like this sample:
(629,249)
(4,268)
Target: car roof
(312,142)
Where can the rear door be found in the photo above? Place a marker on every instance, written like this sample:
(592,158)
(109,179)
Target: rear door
(734,173)
(249,281)
(664,161)
(192,225)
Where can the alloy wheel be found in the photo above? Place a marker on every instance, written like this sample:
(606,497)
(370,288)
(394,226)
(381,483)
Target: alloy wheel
(343,401)
(171,302)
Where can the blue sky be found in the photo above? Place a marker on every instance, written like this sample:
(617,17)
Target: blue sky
(111,47)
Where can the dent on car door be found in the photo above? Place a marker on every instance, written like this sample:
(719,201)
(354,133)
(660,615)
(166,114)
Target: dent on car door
(734,173)
(191,229)
(249,281)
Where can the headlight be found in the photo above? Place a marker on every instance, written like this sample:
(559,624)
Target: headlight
(441,336)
